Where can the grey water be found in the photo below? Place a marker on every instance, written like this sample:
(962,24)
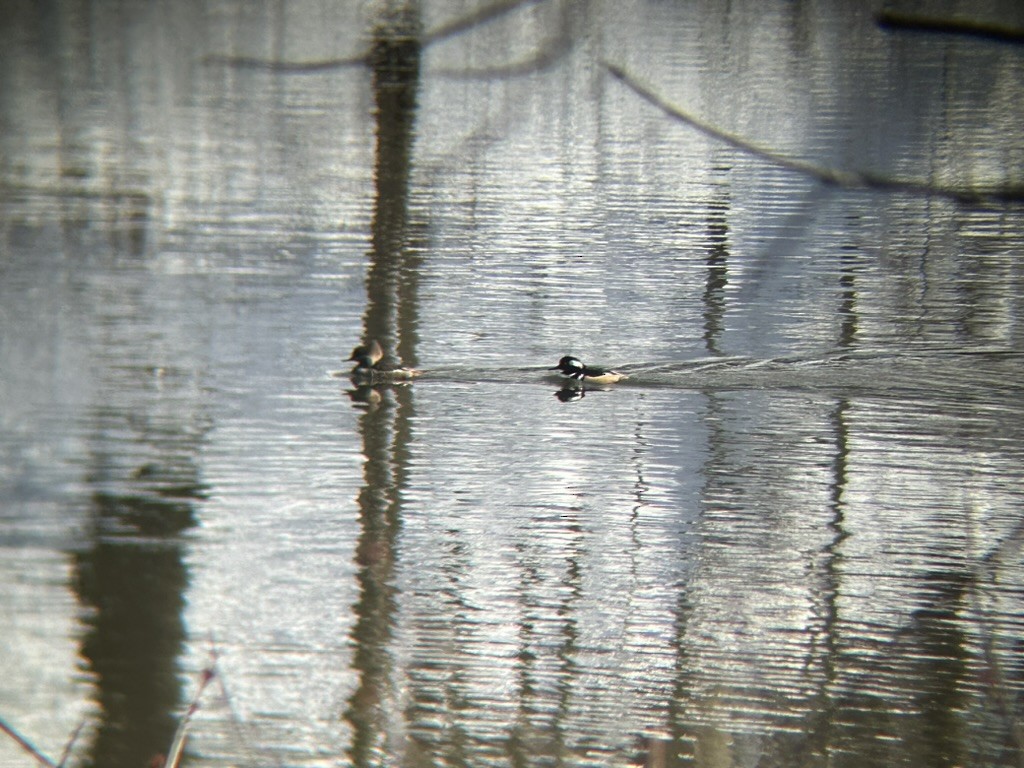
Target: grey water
(792,537)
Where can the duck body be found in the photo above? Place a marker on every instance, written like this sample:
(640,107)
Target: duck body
(573,368)
(372,368)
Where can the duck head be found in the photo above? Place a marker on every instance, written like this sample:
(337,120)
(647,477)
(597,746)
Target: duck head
(568,364)
(367,355)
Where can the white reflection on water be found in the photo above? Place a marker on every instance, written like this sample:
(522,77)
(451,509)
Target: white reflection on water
(551,547)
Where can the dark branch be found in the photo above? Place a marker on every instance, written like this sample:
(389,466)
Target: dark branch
(828,176)
(456,27)
(28,747)
(907,22)
(297,67)
(483,16)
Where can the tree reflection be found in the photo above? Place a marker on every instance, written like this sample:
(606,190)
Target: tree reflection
(390,317)
(132,577)
(391,282)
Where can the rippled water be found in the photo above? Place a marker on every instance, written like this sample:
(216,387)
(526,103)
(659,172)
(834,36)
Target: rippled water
(792,537)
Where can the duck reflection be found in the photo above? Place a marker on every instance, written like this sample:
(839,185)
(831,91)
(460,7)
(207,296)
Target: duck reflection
(570,393)
(366,396)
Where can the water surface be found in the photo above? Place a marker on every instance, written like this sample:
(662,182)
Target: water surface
(792,537)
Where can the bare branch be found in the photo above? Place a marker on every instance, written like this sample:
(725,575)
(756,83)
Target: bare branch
(66,754)
(456,27)
(295,67)
(909,22)
(178,743)
(828,176)
(26,745)
(484,15)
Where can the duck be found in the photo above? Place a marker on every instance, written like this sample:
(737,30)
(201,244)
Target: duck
(573,368)
(372,368)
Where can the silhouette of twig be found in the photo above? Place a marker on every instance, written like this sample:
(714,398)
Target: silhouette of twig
(70,745)
(909,22)
(242,730)
(297,67)
(26,745)
(453,28)
(178,742)
(829,176)
(173,754)
(482,16)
